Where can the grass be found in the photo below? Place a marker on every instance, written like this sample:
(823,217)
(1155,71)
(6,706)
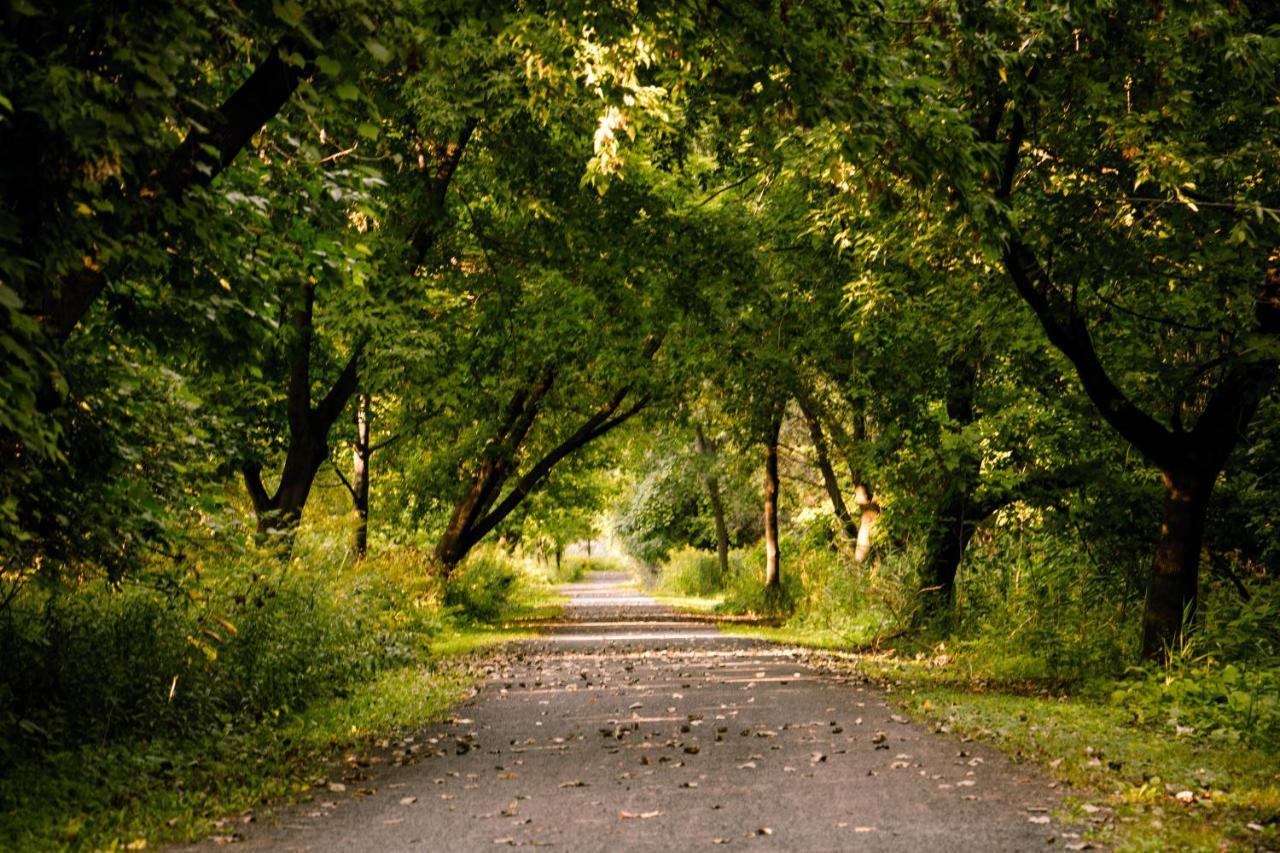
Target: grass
(131,795)
(1124,778)
(136,790)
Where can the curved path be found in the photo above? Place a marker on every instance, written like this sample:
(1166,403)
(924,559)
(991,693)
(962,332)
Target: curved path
(631,727)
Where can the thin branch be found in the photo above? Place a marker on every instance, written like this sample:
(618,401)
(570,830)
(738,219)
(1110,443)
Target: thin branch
(729,186)
(1195,203)
(386,442)
(338,470)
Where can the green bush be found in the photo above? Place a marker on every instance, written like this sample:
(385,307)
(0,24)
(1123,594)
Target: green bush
(483,587)
(238,639)
(691,571)
(1224,684)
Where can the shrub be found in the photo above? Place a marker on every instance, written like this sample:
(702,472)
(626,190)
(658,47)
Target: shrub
(483,587)
(690,571)
(239,638)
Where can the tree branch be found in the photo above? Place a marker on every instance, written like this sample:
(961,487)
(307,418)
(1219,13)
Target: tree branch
(252,473)
(251,106)
(330,408)
(343,477)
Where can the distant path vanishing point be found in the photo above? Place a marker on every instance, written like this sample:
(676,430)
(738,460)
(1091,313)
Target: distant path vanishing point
(629,726)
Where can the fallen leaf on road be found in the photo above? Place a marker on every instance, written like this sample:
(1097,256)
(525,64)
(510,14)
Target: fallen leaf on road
(626,815)
(337,787)
(408,801)
(1040,818)
(574,783)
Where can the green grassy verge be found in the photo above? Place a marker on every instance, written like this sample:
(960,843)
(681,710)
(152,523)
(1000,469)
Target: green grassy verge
(1134,786)
(131,795)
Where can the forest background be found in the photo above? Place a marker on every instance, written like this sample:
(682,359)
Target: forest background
(944,332)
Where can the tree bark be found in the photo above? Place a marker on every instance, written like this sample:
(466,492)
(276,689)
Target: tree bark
(712,482)
(953,530)
(954,525)
(360,457)
(278,514)
(772,550)
(1171,590)
(829,481)
(869,515)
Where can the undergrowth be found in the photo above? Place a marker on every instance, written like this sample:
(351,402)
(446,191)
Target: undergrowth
(1041,662)
(146,709)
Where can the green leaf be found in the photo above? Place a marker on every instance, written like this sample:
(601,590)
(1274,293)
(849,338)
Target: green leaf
(377,50)
(288,11)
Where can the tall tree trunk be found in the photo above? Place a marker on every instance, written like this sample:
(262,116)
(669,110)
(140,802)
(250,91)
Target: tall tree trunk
(954,523)
(722,528)
(480,510)
(712,482)
(360,453)
(953,530)
(823,458)
(863,498)
(1172,587)
(278,514)
(772,552)
(868,515)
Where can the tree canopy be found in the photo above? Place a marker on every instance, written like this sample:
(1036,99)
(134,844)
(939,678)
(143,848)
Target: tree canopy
(916,276)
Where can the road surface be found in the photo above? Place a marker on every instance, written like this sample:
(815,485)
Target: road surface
(631,727)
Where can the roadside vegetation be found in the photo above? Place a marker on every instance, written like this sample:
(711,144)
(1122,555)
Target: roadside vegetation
(943,327)
(1181,754)
(173,706)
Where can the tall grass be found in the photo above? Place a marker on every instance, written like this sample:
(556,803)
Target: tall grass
(226,641)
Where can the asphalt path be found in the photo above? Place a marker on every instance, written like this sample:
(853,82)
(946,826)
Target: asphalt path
(628,726)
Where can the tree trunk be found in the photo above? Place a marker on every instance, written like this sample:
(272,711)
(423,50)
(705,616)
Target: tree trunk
(479,510)
(360,454)
(1171,587)
(954,524)
(952,534)
(869,514)
(279,514)
(717,503)
(722,529)
(1171,590)
(829,481)
(772,553)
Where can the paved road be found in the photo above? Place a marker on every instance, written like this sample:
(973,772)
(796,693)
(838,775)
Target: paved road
(632,727)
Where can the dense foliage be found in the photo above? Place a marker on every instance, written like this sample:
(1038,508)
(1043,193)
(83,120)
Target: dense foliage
(924,320)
